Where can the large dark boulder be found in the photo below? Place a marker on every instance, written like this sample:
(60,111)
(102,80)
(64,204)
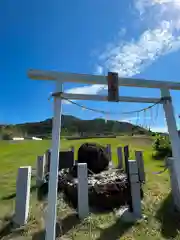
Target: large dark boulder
(95,156)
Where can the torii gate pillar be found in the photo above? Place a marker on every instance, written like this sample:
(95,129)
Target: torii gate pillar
(175,142)
(54,166)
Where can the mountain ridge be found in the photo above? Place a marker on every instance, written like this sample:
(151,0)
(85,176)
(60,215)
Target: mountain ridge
(71,125)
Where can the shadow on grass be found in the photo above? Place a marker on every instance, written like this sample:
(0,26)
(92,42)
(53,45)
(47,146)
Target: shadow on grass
(13,195)
(169,218)
(161,165)
(157,158)
(69,222)
(98,210)
(41,235)
(9,228)
(63,227)
(115,231)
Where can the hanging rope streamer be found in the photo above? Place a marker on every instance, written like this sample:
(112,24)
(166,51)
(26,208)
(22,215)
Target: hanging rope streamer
(137,118)
(143,110)
(101,111)
(145,119)
(151,117)
(157,110)
(107,113)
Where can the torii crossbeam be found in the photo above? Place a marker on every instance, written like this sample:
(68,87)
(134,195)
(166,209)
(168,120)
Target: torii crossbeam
(60,78)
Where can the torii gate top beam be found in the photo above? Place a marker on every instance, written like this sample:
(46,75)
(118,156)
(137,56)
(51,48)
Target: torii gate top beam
(97,79)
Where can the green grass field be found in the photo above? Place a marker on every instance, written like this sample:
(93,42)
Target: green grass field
(161,222)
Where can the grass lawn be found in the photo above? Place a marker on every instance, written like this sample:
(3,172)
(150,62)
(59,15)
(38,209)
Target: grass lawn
(161,223)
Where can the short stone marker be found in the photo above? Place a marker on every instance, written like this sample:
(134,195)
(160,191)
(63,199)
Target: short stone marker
(23,184)
(40,170)
(134,213)
(66,160)
(126,157)
(126,163)
(47,157)
(83,198)
(140,164)
(135,188)
(120,157)
(73,150)
(109,152)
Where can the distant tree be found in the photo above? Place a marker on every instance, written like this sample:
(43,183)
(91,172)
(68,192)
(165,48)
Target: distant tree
(161,147)
(6,133)
(6,136)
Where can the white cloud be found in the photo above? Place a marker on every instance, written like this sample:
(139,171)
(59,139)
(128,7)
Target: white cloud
(161,37)
(132,57)
(92,89)
(99,70)
(160,7)
(155,11)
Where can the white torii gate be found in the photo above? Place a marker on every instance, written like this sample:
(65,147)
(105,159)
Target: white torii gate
(60,78)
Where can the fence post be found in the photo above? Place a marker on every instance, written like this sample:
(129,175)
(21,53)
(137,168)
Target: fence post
(48,159)
(72,149)
(120,157)
(126,157)
(126,163)
(83,198)
(108,150)
(23,183)
(140,164)
(135,189)
(40,169)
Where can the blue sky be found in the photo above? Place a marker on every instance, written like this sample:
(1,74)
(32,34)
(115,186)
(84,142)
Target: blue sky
(135,38)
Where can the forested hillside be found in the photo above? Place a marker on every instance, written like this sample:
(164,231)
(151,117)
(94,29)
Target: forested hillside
(70,126)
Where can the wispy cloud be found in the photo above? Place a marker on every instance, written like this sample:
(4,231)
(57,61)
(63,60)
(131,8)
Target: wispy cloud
(92,89)
(162,19)
(98,70)
(162,36)
(132,57)
(163,9)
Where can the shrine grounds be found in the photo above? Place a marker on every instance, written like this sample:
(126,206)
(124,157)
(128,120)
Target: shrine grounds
(161,221)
